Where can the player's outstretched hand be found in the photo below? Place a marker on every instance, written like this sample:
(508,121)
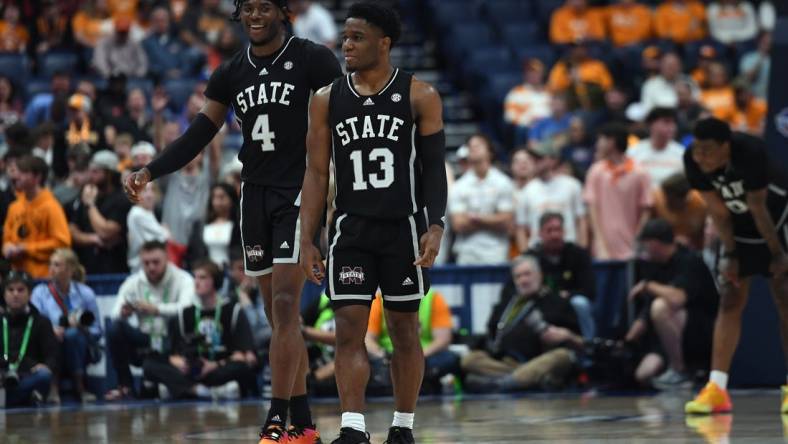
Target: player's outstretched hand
(135,183)
(312,263)
(429,246)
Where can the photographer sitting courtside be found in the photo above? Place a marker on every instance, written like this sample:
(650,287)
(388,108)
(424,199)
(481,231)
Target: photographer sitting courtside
(212,343)
(27,359)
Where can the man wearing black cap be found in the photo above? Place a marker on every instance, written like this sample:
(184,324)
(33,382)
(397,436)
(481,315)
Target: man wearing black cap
(677,301)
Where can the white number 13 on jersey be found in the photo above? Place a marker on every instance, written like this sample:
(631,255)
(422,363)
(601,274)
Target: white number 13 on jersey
(386,170)
(261,132)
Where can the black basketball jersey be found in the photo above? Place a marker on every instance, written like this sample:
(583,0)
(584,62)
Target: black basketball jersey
(373,148)
(749,169)
(270,97)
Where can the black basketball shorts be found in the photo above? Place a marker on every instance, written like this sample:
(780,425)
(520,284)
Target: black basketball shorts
(270,227)
(754,255)
(365,254)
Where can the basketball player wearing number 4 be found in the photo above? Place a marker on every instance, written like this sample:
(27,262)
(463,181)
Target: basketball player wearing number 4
(268,84)
(384,130)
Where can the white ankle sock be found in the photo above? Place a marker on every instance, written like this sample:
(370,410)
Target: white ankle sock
(354,420)
(719,378)
(403,420)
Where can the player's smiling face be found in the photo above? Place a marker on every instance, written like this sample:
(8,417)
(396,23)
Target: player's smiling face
(361,44)
(711,155)
(262,20)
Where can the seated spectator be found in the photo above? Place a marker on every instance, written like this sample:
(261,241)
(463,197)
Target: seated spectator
(531,337)
(81,126)
(143,226)
(11,108)
(543,130)
(71,307)
(44,143)
(244,289)
(650,61)
(91,23)
(707,55)
(732,21)
(576,21)
(97,220)
(614,111)
(581,77)
(660,91)
(122,148)
(78,160)
(14,36)
(659,155)
(221,233)
(678,302)
(754,66)
(35,225)
(313,22)
(528,102)
(681,21)
(629,22)
(141,154)
(718,96)
(750,113)
(135,120)
(480,208)
(169,56)
(211,343)
(202,24)
(566,268)
(119,54)
(688,110)
(39,107)
(52,30)
(683,208)
(550,191)
(618,194)
(225,47)
(435,334)
(33,365)
(146,301)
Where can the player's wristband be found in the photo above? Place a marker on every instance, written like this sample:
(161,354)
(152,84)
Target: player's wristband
(434,187)
(185,148)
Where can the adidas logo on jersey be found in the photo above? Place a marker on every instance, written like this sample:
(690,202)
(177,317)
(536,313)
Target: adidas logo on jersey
(284,245)
(276,419)
(264,72)
(368,102)
(407,281)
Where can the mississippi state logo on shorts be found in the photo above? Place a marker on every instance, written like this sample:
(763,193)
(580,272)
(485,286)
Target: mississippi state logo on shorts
(354,275)
(254,254)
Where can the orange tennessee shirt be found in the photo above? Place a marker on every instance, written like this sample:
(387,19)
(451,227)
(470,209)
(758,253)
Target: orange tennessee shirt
(721,102)
(440,316)
(752,118)
(590,71)
(681,23)
(628,25)
(13,38)
(567,26)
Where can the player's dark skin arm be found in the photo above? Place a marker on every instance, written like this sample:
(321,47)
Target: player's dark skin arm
(756,201)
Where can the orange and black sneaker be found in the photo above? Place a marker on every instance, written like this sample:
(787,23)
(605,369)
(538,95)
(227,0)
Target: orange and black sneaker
(712,399)
(273,434)
(303,435)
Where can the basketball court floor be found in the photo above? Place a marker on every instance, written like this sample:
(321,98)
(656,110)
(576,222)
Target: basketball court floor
(557,419)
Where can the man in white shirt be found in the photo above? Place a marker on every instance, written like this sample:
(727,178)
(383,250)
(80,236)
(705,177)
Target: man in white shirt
(550,192)
(481,208)
(659,155)
(145,301)
(660,90)
(313,22)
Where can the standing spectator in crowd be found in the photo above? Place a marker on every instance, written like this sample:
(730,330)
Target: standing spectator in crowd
(211,343)
(11,109)
(52,29)
(683,208)
(528,102)
(618,193)
(34,363)
(141,154)
(169,57)
(202,24)
(244,289)
(576,21)
(550,192)
(583,78)
(136,120)
(732,21)
(755,65)
(435,334)
(35,225)
(143,226)
(313,22)
(566,269)
(14,36)
(81,126)
(531,335)
(480,208)
(221,232)
(660,91)
(750,112)
(629,22)
(146,300)
(682,21)
(577,153)
(91,23)
(688,109)
(554,125)
(97,219)
(718,96)
(39,108)
(71,307)
(78,160)
(677,298)
(119,54)
(659,155)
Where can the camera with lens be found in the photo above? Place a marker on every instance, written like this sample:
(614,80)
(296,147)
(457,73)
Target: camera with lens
(79,318)
(8,375)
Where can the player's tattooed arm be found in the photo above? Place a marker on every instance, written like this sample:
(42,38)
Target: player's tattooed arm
(315,187)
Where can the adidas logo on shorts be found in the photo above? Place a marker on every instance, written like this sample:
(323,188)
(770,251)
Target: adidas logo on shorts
(407,281)
(284,245)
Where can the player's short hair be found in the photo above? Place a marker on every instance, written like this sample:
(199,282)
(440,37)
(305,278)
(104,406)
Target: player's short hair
(712,129)
(236,15)
(35,165)
(618,133)
(380,15)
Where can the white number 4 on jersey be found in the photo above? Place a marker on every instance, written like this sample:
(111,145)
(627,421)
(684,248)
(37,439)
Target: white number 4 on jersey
(261,132)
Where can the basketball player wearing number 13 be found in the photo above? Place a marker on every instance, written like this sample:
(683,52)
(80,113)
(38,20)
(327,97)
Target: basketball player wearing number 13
(268,84)
(384,130)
